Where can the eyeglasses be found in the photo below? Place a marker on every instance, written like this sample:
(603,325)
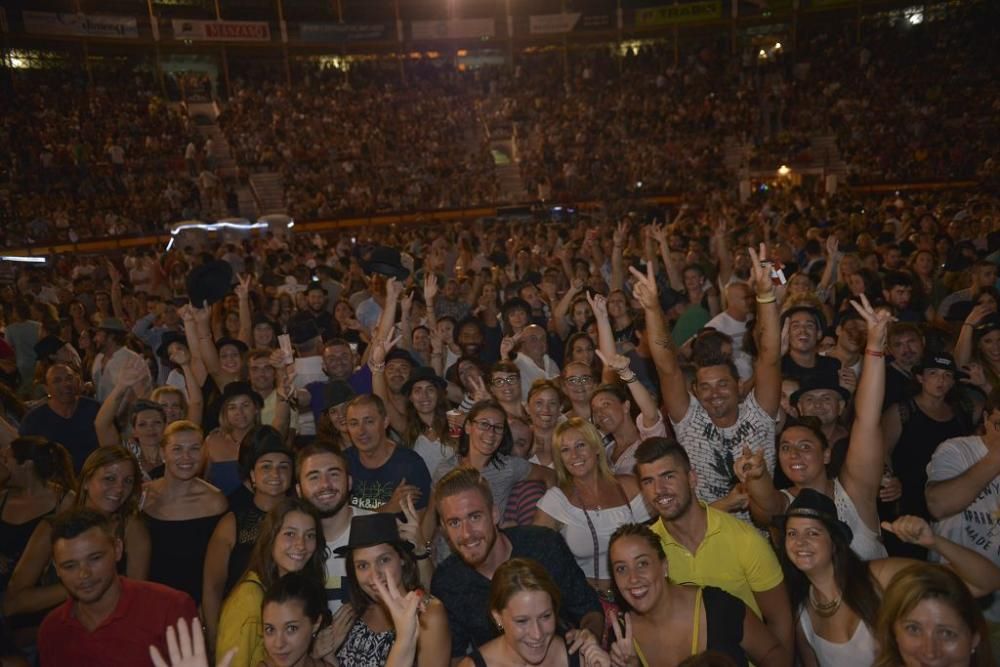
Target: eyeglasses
(501,381)
(485,426)
(578,380)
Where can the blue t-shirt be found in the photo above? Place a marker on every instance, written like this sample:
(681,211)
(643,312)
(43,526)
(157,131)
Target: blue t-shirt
(372,488)
(76,434)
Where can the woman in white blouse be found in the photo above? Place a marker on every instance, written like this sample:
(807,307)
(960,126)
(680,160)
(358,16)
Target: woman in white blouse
(589,502)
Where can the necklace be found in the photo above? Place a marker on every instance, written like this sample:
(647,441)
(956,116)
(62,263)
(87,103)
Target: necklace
(824,609)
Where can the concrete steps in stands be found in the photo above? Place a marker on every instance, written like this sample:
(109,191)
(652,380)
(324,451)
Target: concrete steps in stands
(827,154)
(508,172)
(247,203)
(269,190)
(224,163)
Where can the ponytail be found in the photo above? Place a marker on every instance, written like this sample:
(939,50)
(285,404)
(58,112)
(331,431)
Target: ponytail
(52,463)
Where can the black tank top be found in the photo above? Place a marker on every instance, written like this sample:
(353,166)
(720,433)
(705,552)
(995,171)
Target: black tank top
(247,526)
(178,552)
(918,439)
(14,538)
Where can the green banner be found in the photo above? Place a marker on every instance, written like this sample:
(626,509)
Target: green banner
(691,12)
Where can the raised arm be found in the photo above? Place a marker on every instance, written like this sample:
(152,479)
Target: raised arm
(980,574)
(659,232)
(116,292)
(767,372)
(376,362)
(765,500)
(723,253)
(833,257)
(605,335)
(557,323)
(661,345)
(246,319)
(133,372)
(617,259)
(862,470)
(619,365)
(195,399)
(964,344)
(951,496)
(194,345)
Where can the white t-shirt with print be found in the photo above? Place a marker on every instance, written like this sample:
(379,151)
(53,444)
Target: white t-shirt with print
(712,450)
(978,525)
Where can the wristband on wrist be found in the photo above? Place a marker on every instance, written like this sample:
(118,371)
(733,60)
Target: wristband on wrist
(376,368)
(767,298)
(874,353)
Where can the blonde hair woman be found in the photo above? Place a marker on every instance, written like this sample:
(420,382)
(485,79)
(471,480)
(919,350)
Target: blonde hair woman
(589,501)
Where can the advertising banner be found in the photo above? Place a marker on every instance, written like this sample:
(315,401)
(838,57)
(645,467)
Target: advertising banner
(453,29)
(595,22)
(343,32)
(80,25)
(706,10)
(549,24)
(222,31)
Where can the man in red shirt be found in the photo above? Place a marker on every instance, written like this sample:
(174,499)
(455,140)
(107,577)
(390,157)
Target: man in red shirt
(109,620)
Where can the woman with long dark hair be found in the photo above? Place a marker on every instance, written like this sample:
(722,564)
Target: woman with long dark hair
(290,540)
(268,465)
(699,618)
(835,595)
(375,552)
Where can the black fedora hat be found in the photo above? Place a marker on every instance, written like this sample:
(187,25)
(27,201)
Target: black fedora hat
(942,361)
(169,337)
(811,504)
(234,389)
(235,342)
(423,374)
(210,282)
(826,382)
(337,392)
(259,442)
(387,262)
(372,529)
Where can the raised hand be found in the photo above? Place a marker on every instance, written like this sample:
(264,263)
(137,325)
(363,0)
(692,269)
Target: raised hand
(406,304)
(592,655)
(576,639)
(277,359)
(644,288)
(203,315)
(623,648)
(409,530)
(404,609)
(243,289)
(479,391)
(508,344)
(393,288)
(760,271)
(599,305)
(877,321)
(180,355)
(186,313)
(977,375)
(832,245)
(736,500)
(659,233)
(847,378)
(133,372)
(399,494)
(620,234)
(186,647)
(979,312)
(380,348)
(749,465)
(912,530)
(430,286)
(618,362)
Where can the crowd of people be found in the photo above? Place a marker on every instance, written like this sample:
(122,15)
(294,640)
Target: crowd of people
(770,427)
(905,102)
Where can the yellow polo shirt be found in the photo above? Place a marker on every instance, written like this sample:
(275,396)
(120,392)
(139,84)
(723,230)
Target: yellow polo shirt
(733,556)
